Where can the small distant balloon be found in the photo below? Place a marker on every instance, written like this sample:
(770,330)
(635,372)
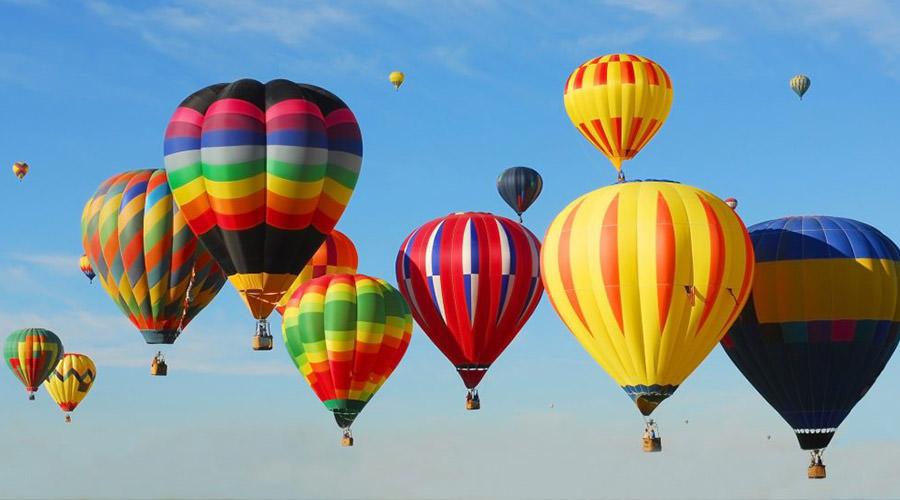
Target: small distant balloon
(396,78)
(731,202)
(800,84)
(85,264)
(519,187)
(20,169)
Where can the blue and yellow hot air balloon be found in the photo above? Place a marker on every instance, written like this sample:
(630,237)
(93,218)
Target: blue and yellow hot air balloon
(821,323)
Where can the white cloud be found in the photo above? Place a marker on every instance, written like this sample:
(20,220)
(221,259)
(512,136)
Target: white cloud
(52,262)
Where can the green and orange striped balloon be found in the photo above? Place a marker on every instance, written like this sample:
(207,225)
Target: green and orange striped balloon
(32,354)
(346,333)
(146,257)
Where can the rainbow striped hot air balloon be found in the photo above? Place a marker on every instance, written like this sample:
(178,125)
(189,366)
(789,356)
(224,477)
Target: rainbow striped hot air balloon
(262,172)
(618,102)
(147,259)
(822,322)
(647,276)
(346,333)
(337,255)
(70,382)
(32,354)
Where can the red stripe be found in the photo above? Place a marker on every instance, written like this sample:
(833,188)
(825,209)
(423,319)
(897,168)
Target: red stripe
(749,264)
(617,132)
(600,74)
(565,265)
(627,70)
(716,262)
(666,76)
(609,259)
(598,127)
(652,77)
(614,58)
(579,75)
(648,133)
(568,81)
(587,133)
(635,127)
(665,259)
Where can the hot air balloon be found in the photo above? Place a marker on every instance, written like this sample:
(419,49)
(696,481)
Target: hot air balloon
(262,173)
(85,264)
(147,259)
(346,333)
(800,84)
(647,276)
(472,280)
(70,382)
(822,321)
(20,169)
(519,187)
(731,202)
(618,102)
(32,354)
(396,78)
(337,255)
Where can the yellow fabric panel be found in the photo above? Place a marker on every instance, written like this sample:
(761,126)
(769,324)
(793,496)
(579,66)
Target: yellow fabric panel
(825,289)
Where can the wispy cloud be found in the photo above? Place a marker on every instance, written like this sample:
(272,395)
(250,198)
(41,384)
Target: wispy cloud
(52,262)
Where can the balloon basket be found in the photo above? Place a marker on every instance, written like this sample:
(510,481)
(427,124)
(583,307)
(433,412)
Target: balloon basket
(816,472)
(347,441)
(471,404)
(652,445)
(159,368)
(68,419)
(260,343)
(31,396)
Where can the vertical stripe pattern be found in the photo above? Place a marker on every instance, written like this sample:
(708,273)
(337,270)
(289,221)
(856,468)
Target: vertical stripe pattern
(346,334)
(32,354)
(472,281)
(647,276)
(618,102)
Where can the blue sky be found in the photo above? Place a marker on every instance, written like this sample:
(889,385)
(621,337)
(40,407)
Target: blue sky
(86,89)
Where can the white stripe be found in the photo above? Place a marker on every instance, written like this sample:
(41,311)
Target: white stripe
(504,248)
(467,248)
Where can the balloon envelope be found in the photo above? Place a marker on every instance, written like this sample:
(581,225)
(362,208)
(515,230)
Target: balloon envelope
(800,84)
(519,187)
(262,173)
(148,260)
(85,265)
(70,382)
(31,354)
(822,321)
(20,169)
(647,276)
(346,333)
(618,102)
(472,280)
(396,78)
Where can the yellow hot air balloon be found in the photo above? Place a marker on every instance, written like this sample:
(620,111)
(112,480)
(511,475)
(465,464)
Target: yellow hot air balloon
(70,382)
(396,78)
(618,102)
(648,276)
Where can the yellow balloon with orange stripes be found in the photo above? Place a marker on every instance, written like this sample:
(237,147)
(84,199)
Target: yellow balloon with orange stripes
(648,276)
(618,102)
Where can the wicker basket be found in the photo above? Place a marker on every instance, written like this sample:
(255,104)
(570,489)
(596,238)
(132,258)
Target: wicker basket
(159,369)
(652,445)
(347,441)
(471,404)
(262,343)
(816,472)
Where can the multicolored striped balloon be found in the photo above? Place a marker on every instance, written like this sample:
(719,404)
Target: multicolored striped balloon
(32,354)
(618,102)
(20,169)
(262,172)
(822,321)
(147,258)
(85,265)
(647,276)
(337,255)
(472,280)
(346,333)
(70,382)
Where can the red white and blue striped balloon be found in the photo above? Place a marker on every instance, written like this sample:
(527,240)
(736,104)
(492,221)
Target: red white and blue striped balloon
(472,280)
